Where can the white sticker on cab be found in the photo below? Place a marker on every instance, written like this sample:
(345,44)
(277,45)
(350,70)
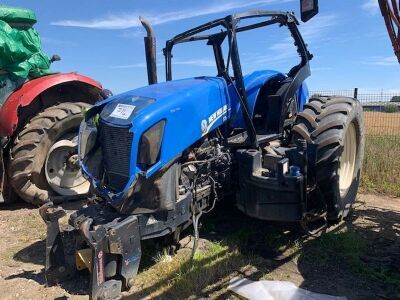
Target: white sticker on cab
(123,111)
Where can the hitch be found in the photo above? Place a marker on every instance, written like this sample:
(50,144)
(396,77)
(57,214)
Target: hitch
(109,247)
(60,264)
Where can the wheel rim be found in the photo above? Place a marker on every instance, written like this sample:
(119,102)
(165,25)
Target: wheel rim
(62,169)
(348,160)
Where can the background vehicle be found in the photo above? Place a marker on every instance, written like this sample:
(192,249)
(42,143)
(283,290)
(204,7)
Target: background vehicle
(160,156)
(390,12)
(40,115)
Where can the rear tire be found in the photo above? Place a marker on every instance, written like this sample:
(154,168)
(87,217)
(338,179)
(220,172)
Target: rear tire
(31,146)
(336,125)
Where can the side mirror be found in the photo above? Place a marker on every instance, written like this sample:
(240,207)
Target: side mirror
(54,58)
(308,8)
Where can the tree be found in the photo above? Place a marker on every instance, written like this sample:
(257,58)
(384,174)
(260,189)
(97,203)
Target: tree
(395,99)
(390,108)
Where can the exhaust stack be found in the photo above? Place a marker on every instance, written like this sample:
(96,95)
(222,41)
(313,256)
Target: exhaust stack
(150,49)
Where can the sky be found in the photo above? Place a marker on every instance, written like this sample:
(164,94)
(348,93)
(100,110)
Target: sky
(103,39)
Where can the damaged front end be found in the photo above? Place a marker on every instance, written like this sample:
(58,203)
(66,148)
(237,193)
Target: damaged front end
(136,198)
(96,238)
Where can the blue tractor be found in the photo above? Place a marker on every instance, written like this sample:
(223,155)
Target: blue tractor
(160,156)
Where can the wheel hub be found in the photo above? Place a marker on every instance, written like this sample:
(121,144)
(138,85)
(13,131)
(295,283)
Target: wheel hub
(348,160)
(72,162)
(62,169)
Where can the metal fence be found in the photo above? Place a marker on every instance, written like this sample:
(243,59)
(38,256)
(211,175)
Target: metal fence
(381,110)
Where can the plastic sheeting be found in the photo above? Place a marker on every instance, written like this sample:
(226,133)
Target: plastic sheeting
(21,53)
(274,290)
(17,16)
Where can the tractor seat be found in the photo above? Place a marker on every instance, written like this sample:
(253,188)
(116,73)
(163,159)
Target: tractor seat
(267,111)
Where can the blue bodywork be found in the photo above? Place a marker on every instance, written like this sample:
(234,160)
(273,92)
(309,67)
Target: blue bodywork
(253,83)
(190,107)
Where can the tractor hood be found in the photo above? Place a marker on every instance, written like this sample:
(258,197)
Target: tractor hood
(151,101)
(163,119)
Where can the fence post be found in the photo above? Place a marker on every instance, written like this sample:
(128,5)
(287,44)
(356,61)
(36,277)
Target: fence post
(355,93)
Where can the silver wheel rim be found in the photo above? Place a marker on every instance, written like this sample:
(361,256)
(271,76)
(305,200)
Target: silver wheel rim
(62,170)
(348,160)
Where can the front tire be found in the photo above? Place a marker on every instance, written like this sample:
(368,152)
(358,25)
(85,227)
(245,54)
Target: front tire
(336,125)
(32,145)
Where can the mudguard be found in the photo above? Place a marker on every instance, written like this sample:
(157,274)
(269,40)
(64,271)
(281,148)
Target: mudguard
(2,175)
(253,83)
(29,92)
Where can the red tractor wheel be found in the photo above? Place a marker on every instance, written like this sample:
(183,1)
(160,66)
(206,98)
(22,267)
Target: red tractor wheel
(43,157)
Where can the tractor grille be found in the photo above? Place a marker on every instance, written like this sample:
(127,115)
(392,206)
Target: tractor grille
(116,143)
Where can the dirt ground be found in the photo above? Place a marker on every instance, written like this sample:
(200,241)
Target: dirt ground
(336,264)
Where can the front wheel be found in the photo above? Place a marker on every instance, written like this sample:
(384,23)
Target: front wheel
(43,158)
(336,126)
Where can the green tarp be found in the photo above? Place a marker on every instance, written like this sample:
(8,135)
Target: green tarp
(17,16)
(21,55)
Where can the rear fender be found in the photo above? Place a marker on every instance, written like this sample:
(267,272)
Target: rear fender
(39,93)
(2,175)
(303,96)
(253,84)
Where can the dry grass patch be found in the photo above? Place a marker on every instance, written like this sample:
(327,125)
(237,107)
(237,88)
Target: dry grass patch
(19,232)
(179,277)
(381,123)
(381,170)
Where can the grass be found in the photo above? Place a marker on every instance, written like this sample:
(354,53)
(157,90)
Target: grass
(20,233)
(336,247)
(382,153)
(347,249)
(381,169)
(182,278)
(214,264)
(208,274)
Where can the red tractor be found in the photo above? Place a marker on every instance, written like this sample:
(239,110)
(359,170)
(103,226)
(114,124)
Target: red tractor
(390,13)
(40,114)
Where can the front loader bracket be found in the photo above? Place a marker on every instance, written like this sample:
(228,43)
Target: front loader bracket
(113,240)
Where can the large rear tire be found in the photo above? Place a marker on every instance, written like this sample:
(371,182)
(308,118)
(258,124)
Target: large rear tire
(336,125)
(34,146)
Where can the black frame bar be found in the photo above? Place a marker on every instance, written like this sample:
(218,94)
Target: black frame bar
(230,24)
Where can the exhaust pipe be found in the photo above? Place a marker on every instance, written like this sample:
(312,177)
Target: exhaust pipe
(150,49)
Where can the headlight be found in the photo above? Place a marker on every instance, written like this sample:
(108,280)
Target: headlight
(150,145)
(87,136)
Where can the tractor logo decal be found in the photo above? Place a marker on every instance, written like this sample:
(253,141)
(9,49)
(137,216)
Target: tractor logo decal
(204,126)
(207,124)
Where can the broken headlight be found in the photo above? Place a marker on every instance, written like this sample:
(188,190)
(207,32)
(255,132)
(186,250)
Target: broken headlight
(87,136)
(150,145)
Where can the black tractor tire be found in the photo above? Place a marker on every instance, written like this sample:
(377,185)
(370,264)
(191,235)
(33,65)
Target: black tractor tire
(30,146)
(326,122)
